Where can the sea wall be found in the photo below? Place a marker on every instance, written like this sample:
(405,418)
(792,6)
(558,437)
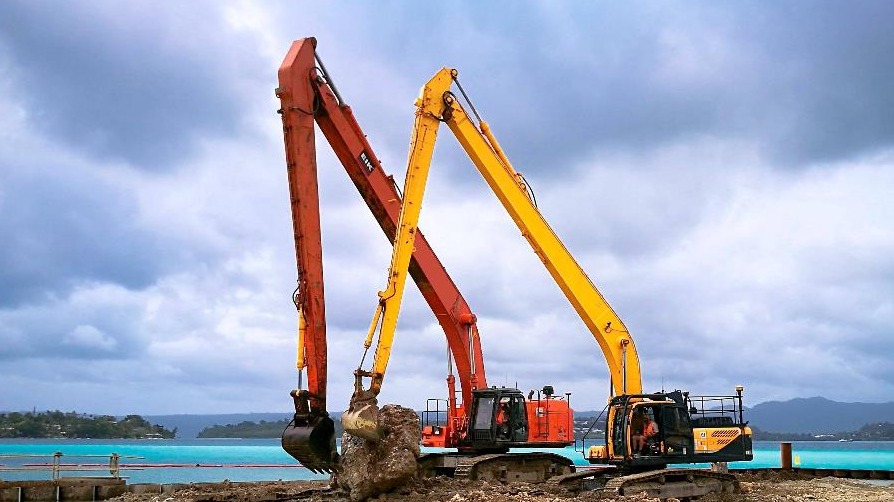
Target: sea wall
(62,489)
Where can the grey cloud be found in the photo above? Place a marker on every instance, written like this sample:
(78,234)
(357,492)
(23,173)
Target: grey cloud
(110,84)
(778,342)
(68,329)
(97,388)
(806,85)
(64,230)
(560,89)
(829,94)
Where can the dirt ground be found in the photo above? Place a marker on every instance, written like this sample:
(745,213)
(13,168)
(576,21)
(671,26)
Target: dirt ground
(764,488)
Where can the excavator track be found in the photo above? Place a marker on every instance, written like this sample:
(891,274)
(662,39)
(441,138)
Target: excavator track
(590,478)
(524,467)
(676,483)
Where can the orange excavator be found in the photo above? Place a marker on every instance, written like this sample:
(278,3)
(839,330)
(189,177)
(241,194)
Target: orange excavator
(503,418)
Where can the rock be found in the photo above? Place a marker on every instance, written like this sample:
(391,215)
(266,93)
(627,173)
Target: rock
(369,469)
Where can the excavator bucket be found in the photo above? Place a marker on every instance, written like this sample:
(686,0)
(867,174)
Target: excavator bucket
(310,436)
(311,441)
(362,418)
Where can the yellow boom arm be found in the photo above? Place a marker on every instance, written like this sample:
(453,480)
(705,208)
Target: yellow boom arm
(436,104)
(422,146)
(361,417)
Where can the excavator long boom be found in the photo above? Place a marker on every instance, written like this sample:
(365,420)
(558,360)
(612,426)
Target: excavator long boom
(310,436)
(361,418)
(308,95)
(436,104)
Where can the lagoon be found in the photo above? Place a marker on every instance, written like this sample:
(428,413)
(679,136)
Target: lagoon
(214,460)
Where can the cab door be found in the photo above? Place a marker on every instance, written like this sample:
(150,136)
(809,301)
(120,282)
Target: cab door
(518,419)
(483,429)
(510,419)
(676,430)
(619,432)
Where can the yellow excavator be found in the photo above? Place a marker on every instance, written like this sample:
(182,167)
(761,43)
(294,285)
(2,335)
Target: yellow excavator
(644,431)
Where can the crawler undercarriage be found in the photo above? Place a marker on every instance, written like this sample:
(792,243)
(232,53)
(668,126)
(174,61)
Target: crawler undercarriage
(557,470)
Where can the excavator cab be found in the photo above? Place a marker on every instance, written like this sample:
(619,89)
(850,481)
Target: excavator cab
(649,431)
(310,436)
(638,432)
(498,419)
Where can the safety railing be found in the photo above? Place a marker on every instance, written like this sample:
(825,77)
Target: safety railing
(56,467)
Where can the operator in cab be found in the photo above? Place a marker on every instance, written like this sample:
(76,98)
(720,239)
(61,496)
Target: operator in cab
(643,428)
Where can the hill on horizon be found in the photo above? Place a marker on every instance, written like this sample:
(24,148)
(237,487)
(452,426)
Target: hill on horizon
(816,415)
(189,426)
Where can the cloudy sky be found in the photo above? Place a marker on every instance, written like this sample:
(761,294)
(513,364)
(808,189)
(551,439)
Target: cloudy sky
(723,172)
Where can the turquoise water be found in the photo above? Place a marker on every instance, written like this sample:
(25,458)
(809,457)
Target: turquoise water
(210,452)
(223,459)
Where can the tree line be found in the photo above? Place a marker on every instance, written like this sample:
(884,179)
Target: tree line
(246,430)
(57,424)
(879,431)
